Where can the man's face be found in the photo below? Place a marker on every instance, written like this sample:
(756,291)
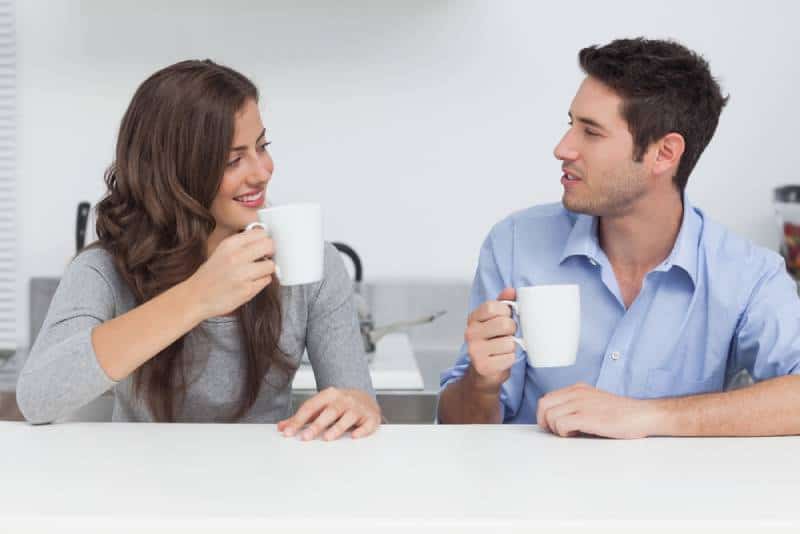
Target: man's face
(599,174)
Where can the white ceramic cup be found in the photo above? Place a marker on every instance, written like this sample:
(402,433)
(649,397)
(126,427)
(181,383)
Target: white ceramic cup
(550,318)
(296,230)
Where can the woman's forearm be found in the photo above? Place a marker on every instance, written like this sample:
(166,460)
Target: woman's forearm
(126,342)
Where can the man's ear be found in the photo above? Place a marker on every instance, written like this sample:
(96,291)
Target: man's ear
(669,150)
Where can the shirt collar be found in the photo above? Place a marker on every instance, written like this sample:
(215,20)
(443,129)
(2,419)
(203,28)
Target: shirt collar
(583,241)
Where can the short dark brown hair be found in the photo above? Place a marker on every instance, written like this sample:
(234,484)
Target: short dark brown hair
(665,88)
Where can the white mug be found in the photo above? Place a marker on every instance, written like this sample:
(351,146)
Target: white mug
(296,230)
(550,318)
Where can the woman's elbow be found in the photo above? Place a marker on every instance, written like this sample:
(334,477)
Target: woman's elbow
(30,403)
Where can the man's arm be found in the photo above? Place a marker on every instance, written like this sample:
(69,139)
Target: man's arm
(475,397)
(463,402)
(769,408)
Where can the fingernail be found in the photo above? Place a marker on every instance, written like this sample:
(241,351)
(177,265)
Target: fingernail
(307,435)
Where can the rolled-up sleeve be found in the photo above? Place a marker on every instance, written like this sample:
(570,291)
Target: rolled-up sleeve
(767,340)
(491,277)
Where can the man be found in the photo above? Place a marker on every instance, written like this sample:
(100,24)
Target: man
(673,305)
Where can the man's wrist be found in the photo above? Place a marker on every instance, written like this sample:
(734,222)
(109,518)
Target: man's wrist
(481,386)
(659,417)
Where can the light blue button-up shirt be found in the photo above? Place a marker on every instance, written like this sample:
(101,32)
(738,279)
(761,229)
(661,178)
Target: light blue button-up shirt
(718,304)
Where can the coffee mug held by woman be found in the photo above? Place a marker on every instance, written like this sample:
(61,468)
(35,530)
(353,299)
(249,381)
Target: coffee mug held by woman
(175,308)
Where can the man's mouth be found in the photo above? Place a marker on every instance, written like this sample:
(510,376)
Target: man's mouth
(570,177)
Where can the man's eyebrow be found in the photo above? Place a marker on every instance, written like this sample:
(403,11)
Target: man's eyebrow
(587,121)
(240,148)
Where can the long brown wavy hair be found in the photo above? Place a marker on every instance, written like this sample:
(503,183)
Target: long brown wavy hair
(155,217)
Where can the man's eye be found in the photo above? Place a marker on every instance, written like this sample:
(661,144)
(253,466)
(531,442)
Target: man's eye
(591,133)
(234,163)
(264,146)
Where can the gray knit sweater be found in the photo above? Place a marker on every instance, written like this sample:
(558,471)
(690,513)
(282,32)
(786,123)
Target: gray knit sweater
(62,374)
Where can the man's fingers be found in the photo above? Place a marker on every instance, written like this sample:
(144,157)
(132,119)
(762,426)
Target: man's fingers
(553,414)
(568,426)
(495,364)
(549,400)
(489,310)
(491,328)
(508,293)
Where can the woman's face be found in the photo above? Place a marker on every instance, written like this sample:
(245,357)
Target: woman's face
(243,189)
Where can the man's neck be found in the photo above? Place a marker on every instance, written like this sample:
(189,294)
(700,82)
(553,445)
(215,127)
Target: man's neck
(641,239)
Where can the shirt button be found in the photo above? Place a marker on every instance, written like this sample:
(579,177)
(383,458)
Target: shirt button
(615,355)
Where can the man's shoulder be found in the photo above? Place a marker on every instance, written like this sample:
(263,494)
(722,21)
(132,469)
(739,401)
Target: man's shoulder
(539,218)
(730,252)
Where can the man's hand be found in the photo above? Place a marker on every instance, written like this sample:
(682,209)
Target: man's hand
(489,343)
(583,409)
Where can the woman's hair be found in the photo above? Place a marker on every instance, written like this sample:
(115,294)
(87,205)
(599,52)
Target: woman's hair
(155,218)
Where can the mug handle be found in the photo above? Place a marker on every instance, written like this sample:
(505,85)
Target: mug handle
(515,310)
(255,225)
(261,225)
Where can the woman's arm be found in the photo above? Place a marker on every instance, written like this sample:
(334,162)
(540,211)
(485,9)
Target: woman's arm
(86,345)
(333,340)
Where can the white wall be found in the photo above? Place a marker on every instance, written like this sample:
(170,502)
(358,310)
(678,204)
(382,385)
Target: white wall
(416,124)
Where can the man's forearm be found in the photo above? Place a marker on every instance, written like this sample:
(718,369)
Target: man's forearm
(462,403)
(769,408)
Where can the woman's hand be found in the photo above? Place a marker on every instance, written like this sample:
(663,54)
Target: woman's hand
(234,273)
(333,412)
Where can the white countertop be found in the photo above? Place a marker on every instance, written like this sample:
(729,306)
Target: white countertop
(103,475)
(393,367)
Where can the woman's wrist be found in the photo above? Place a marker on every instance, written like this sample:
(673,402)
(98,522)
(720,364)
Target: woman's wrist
(190,298)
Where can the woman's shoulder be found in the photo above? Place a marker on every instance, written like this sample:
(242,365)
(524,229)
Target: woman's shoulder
(94,257)
(93,262)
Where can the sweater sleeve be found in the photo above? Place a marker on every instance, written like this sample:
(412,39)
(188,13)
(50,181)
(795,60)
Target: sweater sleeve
(62,373)
(333,338)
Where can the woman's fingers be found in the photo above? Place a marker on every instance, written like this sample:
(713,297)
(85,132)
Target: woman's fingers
(333,412)
(368,425)
(345,423)
(307,411)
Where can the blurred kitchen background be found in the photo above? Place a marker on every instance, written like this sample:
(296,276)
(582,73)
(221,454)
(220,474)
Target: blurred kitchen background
(416,124)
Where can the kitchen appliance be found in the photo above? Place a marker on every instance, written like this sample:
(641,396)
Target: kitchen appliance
(370,334)
(787,209)
(80,225)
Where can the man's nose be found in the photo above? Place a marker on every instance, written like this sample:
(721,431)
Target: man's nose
(564,150)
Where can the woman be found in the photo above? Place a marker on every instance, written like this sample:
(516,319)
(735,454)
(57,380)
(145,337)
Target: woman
(175,307)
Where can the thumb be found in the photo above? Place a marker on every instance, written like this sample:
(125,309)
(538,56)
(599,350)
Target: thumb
(508,293)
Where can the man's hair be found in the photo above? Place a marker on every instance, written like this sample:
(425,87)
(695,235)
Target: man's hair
(665,88)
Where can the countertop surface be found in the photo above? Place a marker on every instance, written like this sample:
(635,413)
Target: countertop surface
(105,475)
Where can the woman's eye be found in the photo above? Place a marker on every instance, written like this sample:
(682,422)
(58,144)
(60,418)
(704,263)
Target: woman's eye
(234,163)
(264,146)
